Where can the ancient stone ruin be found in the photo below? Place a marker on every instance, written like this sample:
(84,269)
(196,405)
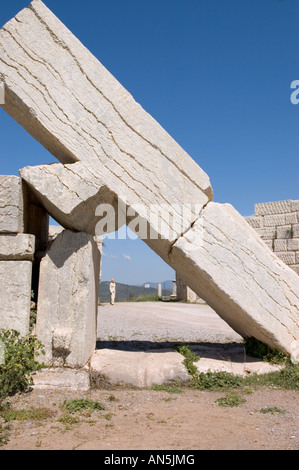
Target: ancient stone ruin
(111,152)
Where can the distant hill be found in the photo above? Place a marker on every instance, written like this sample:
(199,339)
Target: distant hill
(126,292)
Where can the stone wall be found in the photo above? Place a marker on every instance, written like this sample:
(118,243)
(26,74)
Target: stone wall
(277,223)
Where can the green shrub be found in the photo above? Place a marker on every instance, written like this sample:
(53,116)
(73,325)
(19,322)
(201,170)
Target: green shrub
(256,348)
(216,381)
(82,404)
(230,400)
(19,361)
(190,358)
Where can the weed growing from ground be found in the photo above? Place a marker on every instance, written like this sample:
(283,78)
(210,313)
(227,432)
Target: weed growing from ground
(230,400)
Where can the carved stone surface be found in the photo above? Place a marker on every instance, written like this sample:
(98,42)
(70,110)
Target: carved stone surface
(68,299)
(228,265)
(15,295)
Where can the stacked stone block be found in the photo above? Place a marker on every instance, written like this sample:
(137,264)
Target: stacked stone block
(278,225)
(17,250)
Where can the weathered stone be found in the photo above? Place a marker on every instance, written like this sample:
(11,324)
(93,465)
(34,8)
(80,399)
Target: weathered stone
(15,295)
(295,205)
(285,232)
(17,247)
(138,369)
(106,140)
(228,265)
(288,257)
(255,222)
(88,116)
(280,245)
(275,207)
(274,220)
(295,230)
(293,244)
(68,298)
(291,218)
(267,233)
(11,204)
(61,378)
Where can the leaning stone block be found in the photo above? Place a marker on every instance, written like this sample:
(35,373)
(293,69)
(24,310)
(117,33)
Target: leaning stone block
(295,268)
(15,295)
(68,299)
(228,265)
(17,247)
(11,204)
(276,207)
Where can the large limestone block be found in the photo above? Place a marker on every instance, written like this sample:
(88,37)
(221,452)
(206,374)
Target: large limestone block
(138,369)
(227,264)
(15,295)
(17,247)
(62,95)
(68,298)
(11,204)
(80,200)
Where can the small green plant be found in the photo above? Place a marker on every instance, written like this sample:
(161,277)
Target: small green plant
(29,414)
(190,358)
(256,348)
(216,381)
(169,388)
(272,410)
(19,362)
(4,434)
(82,404)
(230,400)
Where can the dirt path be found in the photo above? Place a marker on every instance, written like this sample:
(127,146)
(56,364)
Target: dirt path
(157,420)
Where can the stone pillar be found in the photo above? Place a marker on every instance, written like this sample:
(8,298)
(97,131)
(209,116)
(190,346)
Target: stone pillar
(16,256)
(68,299)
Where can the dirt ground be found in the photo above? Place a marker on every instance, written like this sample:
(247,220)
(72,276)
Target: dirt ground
(143,419)
(158,420)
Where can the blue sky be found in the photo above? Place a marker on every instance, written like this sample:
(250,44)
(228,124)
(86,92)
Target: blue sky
(216,74)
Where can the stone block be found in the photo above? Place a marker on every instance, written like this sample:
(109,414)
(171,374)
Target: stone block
(293,244)
(288,257)
(291,218)
(274,220)
(68,299)
(227,264)
(269,243)
(297,257)
(15,295)
(280,245)
(284,232)
(255,222)
(267,233)
(11,204)
(276,207)
(295,230)
(17,247)
(295,205)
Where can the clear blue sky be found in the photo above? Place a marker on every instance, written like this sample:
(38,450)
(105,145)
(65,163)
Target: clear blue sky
(216,74)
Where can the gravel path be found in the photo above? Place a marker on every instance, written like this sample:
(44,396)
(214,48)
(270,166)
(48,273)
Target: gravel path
(150,323)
